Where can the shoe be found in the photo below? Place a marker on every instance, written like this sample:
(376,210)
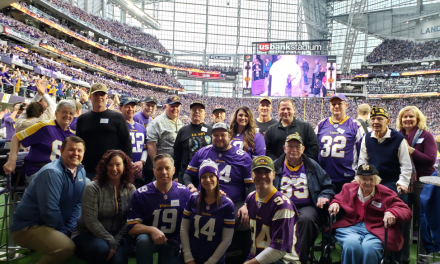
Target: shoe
(306,83)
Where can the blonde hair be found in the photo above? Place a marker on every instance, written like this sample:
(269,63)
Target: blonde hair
(421,119)
(363,109)
(377,179)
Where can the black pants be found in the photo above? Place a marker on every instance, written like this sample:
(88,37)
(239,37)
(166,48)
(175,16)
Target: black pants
(309,221)
(313,83)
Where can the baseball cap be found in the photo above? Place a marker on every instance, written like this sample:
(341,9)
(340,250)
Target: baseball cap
(294,136)
(338,95)
(267,99)
(263,162)
(98,87)
(218,107)
(379,111)
(198,102)
(219,125)
(127,100)
(367,170)
(149,99)
(173,99)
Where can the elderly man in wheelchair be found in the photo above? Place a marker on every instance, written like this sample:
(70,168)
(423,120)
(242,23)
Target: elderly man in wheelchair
(365,207)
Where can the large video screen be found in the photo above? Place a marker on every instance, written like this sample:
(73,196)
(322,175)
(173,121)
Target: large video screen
(289,75)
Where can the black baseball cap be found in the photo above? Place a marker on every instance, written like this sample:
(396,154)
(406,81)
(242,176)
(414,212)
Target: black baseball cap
(218,107)
(127,100)
(198,102)
(173,99)
(367,170)
(149,99)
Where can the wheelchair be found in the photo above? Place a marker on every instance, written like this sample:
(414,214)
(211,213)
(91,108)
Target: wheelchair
(326,250)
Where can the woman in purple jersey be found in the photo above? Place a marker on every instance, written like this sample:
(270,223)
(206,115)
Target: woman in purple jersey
(243,133)
(100,235)
(208,220)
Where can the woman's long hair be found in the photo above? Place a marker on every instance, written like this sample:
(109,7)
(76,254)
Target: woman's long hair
(202,195)
(249,131)
(101,169)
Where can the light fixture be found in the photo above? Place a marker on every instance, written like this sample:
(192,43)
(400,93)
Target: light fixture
(421,18)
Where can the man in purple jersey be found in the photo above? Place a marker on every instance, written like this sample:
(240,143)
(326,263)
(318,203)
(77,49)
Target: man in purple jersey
(156,214)
(308,186)
(45,137)
(339,138)
(234,165)
(137,134)
(273,219)
(78,112)
(148,109)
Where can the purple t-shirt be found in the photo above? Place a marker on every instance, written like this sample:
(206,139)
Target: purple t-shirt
(45,139)
(140,118)
(206,226)
(260,144)
(339,145)
(234,166)
(10,126)
(137,135)
(73,123)
(275,221)
(150,207)
(294,185)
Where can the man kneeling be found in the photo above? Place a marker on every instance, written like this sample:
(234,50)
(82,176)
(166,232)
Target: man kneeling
(51,205)
(273,219)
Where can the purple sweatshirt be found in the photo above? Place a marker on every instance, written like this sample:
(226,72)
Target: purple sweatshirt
(425,152)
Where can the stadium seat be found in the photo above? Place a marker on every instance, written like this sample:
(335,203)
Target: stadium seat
(14,186)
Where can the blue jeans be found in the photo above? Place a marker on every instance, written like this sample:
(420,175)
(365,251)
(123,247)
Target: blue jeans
(305,77)
(145,248)
(359,245)
(96,250)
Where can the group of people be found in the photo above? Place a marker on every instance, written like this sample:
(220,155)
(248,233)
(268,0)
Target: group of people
(397,50)
(200,185)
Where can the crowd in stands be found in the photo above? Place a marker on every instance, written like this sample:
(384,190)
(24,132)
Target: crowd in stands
(155,77)
(130,35)
(394,50)
(129,51)
(393,68)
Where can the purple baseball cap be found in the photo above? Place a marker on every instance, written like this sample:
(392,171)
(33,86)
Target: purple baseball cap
(338,95)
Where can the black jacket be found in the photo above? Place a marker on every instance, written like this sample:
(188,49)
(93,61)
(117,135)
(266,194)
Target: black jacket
(276,135)
(318,181)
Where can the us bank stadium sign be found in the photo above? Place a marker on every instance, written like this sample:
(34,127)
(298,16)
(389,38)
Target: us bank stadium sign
(319,46)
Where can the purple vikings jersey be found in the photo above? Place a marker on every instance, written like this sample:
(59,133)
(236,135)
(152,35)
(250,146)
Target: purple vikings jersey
(273,224)
(141,119)
(150,207)
(137,134)
(10,126)
(234,166)
(260,144)
(294,185)
(45,139)
(206,226)
(339,146)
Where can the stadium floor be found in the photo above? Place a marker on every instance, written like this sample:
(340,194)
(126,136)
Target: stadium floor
(33,256)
